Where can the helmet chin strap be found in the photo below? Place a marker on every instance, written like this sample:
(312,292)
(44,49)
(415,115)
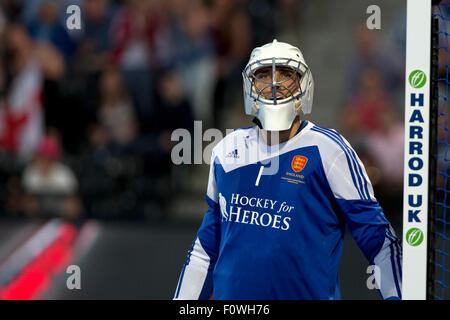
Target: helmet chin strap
(255,107)
(257,122)
(298,105)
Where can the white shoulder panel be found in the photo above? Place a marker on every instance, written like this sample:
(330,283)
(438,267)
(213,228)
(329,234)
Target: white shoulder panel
(343,168)
(345,172)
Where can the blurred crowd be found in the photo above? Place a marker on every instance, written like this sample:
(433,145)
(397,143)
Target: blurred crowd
(373,116)
(86,115)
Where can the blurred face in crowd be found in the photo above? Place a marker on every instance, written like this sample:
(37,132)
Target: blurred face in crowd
(43,163)
(47,154)
(17,39)
(287,82)
(170,89)
(365,40)
(47,13)
(388,120)
(177,8)
(95,9)
(18,47)
(98,137)
(139,6)
(111,83)
(197,19)
(370,82)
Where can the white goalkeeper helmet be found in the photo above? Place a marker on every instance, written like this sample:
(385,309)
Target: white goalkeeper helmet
(277,85)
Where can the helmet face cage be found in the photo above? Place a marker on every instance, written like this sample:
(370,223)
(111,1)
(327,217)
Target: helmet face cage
(292,86)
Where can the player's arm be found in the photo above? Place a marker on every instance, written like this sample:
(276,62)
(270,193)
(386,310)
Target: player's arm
(195,281)
(366,221)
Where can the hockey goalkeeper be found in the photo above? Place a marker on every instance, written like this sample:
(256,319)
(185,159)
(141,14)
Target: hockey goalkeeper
(280,194)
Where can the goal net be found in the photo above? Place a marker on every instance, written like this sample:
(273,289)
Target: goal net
(439,244)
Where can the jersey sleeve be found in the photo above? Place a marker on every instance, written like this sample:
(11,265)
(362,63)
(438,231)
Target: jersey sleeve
(365,219)
(195,281)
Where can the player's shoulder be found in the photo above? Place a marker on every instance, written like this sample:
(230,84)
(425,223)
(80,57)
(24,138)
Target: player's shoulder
(234,140)
(327,139)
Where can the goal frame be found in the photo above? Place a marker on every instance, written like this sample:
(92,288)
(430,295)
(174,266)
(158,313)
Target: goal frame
(420,150)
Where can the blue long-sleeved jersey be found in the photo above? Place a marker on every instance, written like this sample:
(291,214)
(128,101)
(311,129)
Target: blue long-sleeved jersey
(276,219)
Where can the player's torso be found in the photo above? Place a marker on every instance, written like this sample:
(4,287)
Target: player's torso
(276,211)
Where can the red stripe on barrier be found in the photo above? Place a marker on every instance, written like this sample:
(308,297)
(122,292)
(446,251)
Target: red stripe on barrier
(35,278)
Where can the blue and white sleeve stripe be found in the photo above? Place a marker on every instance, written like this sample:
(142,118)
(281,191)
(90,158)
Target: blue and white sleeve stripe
(357,171)
(195,279)
(354,194)
(388,261)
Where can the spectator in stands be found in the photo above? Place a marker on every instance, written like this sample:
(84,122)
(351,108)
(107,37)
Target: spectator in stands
(21,119)
(51,188)
(376,131)
(370,55)
(116,113)
(288,20)
(13,196)
(94,40)
(173,111)
(97,19)
(361,118)
(172,101)
(263,17)
(47,28)
(133,42)
(232,36)
(194,60)
(385,146)
(29,8)
(94,45)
